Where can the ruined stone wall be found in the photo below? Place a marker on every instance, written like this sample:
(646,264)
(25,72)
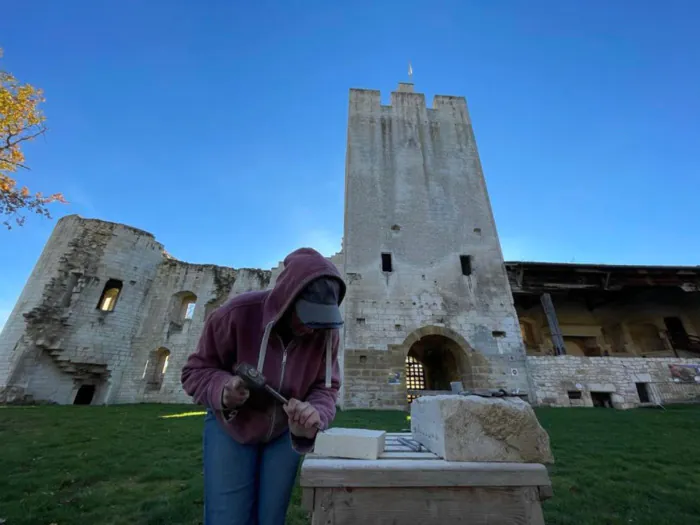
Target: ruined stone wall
(164,328)
(554,376)
(13,352)
(415,190)
(56,339)
(626,329)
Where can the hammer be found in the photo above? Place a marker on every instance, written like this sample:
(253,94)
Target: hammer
(256,381)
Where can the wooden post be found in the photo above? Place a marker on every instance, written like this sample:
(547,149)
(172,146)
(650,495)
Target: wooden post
(557,338)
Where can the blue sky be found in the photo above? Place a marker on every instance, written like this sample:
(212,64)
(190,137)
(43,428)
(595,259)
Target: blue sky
(220,126)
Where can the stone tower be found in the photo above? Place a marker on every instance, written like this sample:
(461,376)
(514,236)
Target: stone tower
(107,316)
(57,338)
(428,299)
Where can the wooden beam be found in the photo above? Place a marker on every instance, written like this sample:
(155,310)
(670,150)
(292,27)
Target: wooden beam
(327,473)
(553,322)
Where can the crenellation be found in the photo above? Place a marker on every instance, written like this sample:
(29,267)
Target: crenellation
(365,101)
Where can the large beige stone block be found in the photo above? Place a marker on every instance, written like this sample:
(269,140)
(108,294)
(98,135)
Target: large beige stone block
(473,428)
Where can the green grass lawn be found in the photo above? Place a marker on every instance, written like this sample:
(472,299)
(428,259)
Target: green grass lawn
(135,465)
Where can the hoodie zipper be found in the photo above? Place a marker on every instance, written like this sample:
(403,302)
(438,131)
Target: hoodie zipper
(279,389)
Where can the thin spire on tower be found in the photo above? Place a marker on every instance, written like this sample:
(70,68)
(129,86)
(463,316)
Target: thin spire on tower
(410,72)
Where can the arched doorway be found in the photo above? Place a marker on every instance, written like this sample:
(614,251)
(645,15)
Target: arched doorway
(433,362)
(84,395)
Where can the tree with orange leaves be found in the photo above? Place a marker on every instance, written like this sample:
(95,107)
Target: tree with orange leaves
(21,120)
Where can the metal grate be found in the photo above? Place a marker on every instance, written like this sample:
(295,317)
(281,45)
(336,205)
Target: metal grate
(402,442)
(415,376)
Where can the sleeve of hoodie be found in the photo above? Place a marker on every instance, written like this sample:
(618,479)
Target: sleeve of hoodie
(322,398)
(208,369)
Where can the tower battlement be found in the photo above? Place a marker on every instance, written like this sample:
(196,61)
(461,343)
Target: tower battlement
(368,101)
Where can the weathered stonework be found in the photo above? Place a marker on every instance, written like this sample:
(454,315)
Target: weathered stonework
(554,377)
(415,192)
(57,340)
(473,428)
(370,374)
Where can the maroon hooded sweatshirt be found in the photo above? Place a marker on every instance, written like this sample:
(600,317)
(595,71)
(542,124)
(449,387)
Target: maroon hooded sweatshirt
(243,330)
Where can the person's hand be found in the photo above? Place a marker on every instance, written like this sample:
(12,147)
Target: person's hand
(304,419)
(235,393)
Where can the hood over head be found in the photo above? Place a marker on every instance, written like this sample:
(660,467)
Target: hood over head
(318,304)
(300,268)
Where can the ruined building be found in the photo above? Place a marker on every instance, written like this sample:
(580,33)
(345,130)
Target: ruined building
(107,316)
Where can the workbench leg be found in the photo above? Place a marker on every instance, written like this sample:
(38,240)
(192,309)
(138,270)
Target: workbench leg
(307,499)
(533,506)
(323,507)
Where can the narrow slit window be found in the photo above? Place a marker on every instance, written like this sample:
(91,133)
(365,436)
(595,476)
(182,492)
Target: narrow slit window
(386,262)
(466,262)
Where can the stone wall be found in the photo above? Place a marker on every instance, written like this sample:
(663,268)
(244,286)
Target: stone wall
(57,340)
(416,192)
(163,328)
(368,376)
(376,378)
(57,317)
(554,377)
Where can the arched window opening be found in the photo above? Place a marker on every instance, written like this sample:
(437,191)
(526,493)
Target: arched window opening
(163,360)
(183,307)
(110,294)
(160,362)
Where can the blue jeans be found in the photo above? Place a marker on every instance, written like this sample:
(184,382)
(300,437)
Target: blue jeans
(246,484)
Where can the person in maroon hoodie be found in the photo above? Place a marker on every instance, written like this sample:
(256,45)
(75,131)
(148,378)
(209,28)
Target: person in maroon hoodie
(252,444)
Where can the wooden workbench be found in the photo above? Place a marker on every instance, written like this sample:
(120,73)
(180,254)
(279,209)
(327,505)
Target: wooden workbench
(405,486)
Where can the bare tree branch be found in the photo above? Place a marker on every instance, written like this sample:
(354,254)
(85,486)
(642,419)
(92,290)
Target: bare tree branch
(15,163)
(9,144)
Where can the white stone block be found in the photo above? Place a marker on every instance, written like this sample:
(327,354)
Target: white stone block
(350,443)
